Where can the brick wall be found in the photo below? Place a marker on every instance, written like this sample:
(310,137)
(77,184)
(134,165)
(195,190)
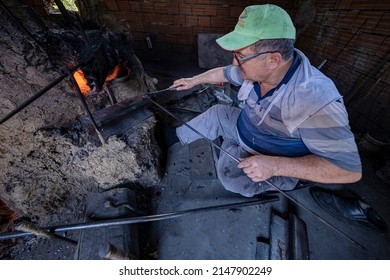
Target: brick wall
(351,35)
(174,25)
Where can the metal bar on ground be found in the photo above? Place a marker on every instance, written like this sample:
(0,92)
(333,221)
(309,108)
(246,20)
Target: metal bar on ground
(142,219)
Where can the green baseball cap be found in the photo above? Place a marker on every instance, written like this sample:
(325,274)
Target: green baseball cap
(258,22)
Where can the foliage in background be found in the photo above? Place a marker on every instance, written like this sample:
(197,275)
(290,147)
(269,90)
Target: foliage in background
(70,5)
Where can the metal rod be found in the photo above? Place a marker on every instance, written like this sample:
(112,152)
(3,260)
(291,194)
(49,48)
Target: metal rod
(16,20)
(49,86)
(36,96)
(314,214)
(27,226)
(109,92)
(83,102)
(190,127)
(266,181)
(142,219)
(159,91)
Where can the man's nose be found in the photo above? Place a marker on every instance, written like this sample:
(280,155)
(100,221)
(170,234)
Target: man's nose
(235,61)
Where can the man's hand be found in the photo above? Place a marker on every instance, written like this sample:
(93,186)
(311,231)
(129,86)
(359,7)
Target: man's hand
(184,83)
(213,76)
(310,167)
(258,168)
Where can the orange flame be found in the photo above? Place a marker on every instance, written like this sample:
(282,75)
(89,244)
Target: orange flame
(82,82)
(118,71)
(114,73)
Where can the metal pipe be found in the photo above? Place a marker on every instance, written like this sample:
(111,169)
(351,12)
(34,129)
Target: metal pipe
(27,226)
(49,86)
(142,219)
(36,96)
(16,20)
(83,102)
(191,128)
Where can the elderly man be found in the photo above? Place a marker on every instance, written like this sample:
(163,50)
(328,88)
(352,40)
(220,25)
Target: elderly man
(293,124)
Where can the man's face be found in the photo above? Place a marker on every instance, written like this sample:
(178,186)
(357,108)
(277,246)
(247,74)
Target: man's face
(252,65)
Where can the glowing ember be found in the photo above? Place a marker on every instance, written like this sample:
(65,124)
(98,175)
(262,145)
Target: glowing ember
(119,71)
(113,74)
(82,82)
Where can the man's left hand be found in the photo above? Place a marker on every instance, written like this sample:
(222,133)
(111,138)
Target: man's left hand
(258,168)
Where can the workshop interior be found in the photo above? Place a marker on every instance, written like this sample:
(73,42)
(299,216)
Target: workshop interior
(90,168)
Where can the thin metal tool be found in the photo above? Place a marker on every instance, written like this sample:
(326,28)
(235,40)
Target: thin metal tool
(266,181)
(161,90)
(190,127)
(143,219)
(29,227)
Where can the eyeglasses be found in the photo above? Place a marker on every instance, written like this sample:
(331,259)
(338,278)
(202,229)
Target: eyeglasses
(243,59)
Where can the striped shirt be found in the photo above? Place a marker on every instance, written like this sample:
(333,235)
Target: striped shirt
(304,114)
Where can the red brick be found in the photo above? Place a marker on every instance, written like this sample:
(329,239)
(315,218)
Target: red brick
(171,38)
(191,21)
(111,5)
(173,8)
(160,8)
(383,50)
(344,5)
(370,5)
(132,16)
(383,26)
(138,35)
(368,20)
(147,7)
(221,30)
(223,10)
(235,11)
(185,9)
(185,40)
(369,41)
(346,19)
(205,10)
(179,20)
(134,6)
(179,30)
(153,18)
(203,1)
(204,21)
(329,18)
(122,15)
(123,4)
(198,29)
(327,4)
(137,26)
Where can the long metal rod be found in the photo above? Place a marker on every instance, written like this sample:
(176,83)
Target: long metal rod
(83,102)
(266,181)
(190,127)
(141,219)
(16,20)
(49,86)
(35,97)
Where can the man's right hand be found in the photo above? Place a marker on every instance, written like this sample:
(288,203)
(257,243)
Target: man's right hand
(213,76)
(184,83)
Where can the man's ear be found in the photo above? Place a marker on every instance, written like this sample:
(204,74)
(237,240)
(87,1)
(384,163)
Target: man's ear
(274,60)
